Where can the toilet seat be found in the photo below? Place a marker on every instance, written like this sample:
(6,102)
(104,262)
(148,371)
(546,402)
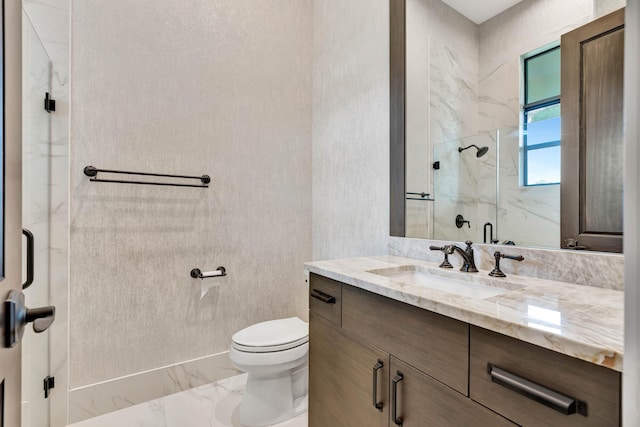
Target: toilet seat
(275,355)
(272,336)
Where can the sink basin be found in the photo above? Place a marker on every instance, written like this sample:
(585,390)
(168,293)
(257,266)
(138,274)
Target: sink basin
(422,276)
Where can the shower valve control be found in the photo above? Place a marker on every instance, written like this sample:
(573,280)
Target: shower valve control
(460,221)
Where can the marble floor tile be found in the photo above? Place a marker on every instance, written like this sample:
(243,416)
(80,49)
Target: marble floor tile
(211,405)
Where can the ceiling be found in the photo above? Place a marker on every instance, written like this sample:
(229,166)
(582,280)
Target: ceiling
(480,11)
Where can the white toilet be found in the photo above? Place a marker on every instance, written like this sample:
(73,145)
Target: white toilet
(274,354)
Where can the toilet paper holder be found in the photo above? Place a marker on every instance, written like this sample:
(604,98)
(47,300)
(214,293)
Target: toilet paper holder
(196,273)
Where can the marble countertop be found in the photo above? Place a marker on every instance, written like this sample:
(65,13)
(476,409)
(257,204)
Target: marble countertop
(580,321)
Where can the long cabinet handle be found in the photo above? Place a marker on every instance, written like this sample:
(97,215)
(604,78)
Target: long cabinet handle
(325,298)
(30,254)
(394,398)
(376,368)
(541,394)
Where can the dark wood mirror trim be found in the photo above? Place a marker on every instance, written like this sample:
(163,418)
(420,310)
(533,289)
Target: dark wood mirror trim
(574,139)
(397,65)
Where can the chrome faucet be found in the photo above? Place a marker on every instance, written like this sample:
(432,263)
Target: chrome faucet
(469,264)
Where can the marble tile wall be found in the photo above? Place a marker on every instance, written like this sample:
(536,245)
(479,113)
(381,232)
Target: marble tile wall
(221,88)
(211,405)
(597,269)
(89,402)
(350,134)
(528,216)
(502,41)
(441,96)
(604,7)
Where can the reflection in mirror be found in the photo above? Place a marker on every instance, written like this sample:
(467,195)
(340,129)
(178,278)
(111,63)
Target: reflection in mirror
(465,84)
(464,185)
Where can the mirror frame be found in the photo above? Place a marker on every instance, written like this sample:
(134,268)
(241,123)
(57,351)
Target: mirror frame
(397,116)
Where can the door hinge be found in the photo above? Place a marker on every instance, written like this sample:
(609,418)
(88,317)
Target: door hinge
(49,383)
(49,104)
(436,165)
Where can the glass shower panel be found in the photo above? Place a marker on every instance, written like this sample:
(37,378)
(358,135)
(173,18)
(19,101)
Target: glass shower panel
(465,184)
(36,171)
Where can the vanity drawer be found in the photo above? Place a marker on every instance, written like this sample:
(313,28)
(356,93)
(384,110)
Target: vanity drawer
(325,298)
(517,366)
(435,344)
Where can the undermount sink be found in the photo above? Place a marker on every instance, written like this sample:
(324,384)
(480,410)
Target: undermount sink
(423,276)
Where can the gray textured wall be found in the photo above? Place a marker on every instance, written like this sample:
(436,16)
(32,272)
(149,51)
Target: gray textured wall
(350,128)
(222,88)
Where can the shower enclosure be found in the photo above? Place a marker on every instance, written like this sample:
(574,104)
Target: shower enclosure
(478,194)
(465,187)
(36,217)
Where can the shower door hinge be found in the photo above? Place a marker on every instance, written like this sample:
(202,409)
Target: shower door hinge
(436,165)
(49,104)
(49,383)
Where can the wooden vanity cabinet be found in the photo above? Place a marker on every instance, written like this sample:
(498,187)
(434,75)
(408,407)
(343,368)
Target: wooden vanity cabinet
(371,356)
(352,364)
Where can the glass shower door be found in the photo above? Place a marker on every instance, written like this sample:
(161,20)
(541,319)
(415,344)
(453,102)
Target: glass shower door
(36,188)
(464,186)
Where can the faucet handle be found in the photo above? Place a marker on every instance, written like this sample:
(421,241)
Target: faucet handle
(496,272)
(445,263)
(514,257)
(468,243)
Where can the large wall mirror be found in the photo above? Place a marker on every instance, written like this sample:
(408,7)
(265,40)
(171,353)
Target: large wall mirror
(507,127)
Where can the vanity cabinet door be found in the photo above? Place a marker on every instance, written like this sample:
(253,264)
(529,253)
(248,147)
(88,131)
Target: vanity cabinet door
(341,379)
(435,344)
(525,383)
(421,401)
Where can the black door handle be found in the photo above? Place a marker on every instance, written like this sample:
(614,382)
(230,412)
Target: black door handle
(17,316)
(30,252)
(42,317)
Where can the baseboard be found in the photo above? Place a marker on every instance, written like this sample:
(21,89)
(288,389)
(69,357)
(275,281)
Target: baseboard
(97,399)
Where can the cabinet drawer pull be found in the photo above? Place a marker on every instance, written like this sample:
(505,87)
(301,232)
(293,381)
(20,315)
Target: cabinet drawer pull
(541,394)
(376,368)
(325,298)
(394,398)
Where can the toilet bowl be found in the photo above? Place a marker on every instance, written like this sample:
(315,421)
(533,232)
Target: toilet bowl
(274,354)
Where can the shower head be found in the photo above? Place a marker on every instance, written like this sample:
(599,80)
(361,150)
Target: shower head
(481,150)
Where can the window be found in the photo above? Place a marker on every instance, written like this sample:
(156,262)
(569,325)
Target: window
(541,130)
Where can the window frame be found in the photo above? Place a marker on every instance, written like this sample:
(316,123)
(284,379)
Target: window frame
(532,106)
